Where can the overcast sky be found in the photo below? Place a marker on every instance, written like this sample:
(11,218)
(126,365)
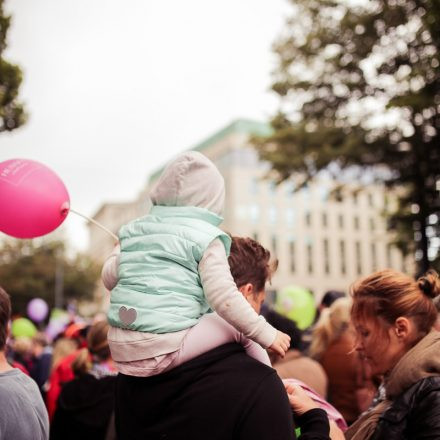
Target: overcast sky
(115,88)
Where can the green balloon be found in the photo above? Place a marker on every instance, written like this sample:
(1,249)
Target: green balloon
(23,327)
(296,304)
(59,314)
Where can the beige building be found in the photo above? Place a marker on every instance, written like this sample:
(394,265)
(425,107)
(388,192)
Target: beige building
(112,216)
(321,243)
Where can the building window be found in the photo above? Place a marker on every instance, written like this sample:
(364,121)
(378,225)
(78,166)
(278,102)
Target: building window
(342,257)
(308,218)
(290,216)
(370,199)
(341,221)
(245,157)
(358,258)
(356,223)
(403,264)
(309,251)
(388,255)
(290,189)
(254,213)
(324,219)
(253,189)
(306,194)
(355,198)
(274,244)
(372,224)
(255,236)
(386,202)
(323,192)
(292,256)
(272,187)
(326,256)
(373,257)
(272,214)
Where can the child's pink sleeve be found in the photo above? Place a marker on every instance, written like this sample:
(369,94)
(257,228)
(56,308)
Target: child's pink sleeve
(210,332)
(109,273)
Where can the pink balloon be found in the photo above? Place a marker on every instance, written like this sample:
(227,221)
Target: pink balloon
(33,199)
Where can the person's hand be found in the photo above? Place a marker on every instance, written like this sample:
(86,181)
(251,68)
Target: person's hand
(299,400)
(281,344)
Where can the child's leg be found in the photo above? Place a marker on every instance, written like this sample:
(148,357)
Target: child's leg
(211,332)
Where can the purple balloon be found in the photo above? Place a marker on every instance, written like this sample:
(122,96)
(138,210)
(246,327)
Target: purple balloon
(54,328)
(37,309)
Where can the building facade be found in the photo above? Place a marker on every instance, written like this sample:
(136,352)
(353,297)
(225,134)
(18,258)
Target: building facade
(321,242)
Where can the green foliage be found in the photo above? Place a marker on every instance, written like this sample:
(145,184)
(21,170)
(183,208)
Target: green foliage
(28,271)
(12,113)
(359,87)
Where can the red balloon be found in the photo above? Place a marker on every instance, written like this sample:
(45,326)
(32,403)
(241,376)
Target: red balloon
(33,199)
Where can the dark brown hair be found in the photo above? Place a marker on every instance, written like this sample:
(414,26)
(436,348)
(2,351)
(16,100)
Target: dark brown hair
(5,315)
(250,263)
(389,294)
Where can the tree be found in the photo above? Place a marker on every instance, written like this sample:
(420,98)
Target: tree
(12,113)
(28,271)
(359,83)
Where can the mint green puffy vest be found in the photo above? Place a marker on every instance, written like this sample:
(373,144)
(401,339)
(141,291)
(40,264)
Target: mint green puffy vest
(159,288)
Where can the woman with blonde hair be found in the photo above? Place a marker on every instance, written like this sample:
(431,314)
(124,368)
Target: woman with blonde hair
(333,322)
(394,315)
(349,388)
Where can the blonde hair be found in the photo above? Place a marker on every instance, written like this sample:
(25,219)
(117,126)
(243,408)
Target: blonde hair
(62,348)
(23,345)
(331,325)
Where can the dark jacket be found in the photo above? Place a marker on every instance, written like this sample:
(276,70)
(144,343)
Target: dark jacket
(84,410)
(222,395)
(414,415)
(40,370)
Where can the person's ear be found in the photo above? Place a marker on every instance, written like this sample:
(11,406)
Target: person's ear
(247,290)
(403,328)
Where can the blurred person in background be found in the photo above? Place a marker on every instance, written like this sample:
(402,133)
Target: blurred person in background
(295,364)
(350,388)
(298,369)
(41,361)
(22,415)
(62,347)
(64,354)
(85,404)
(20,353)
(394,315)
(329,298)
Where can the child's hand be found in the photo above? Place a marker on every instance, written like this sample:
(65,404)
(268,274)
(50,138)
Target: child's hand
(281,344)
(299,400)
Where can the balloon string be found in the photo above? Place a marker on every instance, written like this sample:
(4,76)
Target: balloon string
(95,223)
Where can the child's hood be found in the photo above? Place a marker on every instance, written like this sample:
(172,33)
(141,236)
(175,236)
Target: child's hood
(190,180)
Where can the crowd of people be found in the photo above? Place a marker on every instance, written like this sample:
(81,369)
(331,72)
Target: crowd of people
(190,350)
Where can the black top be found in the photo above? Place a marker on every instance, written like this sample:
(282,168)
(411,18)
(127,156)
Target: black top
(414,415)
(84,410)
(222,395)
